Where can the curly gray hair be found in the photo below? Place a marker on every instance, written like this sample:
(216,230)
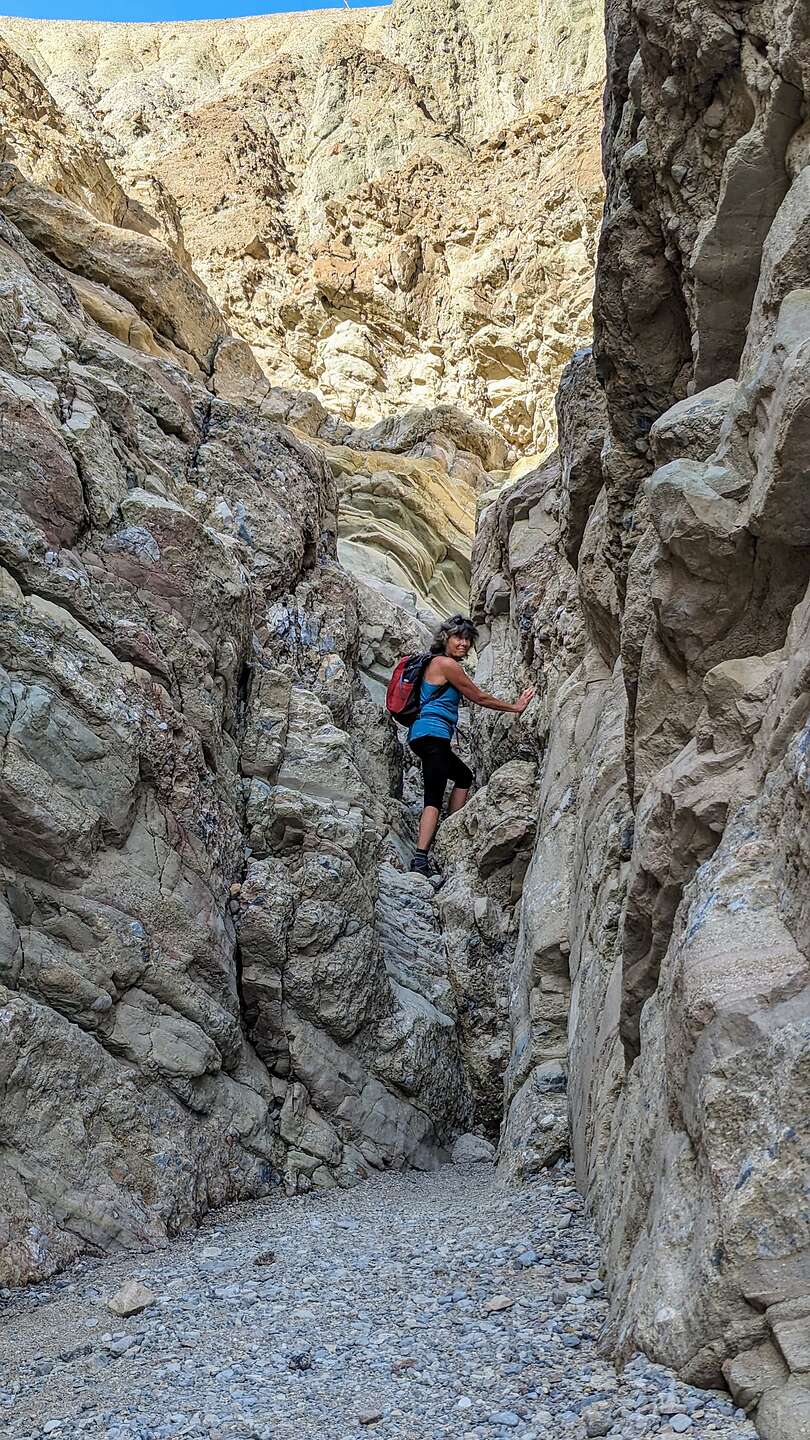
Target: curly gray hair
(456,625)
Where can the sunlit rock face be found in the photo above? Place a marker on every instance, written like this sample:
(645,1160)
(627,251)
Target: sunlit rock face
(397,207)
(652,580)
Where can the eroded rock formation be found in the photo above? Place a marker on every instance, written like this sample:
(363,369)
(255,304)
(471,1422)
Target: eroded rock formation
(396,207)
(653,580)
(203,991)
(208,935)
(217,974)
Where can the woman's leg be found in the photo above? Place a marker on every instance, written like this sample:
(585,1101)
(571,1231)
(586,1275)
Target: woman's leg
(435,757)
(458,797)
(428,825)
(462,779)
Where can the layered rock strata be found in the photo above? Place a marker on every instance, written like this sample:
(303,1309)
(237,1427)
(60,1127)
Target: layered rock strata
(407,485)
(396,207)
(652,579)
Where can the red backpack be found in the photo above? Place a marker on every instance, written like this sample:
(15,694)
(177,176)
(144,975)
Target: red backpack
(402,696)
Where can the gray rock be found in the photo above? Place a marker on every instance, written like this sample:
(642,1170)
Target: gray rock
(475,1149)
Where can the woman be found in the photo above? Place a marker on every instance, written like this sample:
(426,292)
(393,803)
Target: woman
(443,684)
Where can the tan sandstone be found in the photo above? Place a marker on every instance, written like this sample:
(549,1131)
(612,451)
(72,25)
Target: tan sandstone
(389,221)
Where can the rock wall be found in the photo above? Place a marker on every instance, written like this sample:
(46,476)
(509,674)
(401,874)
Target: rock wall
(652,580)
(215,973)
(396,207)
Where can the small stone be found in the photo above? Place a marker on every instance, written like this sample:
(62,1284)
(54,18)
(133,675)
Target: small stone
(504,1417)
(597,1420)
(122,1344)
(301,1361)
(131,1299)
(465,1403)
(498,1302)
(680,1423)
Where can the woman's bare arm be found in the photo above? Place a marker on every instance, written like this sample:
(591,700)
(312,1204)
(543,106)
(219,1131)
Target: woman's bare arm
(453,674)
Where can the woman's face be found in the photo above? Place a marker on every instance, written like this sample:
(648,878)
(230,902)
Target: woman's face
(457,647)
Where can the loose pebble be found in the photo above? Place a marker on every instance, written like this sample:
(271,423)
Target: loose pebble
(131,1299)
(419,1306)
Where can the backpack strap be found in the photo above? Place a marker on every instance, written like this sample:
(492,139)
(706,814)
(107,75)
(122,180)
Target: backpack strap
(440,689)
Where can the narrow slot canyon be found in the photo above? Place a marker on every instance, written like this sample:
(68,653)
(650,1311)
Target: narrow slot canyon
(315,330)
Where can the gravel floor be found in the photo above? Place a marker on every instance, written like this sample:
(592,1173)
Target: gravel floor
(416,1305)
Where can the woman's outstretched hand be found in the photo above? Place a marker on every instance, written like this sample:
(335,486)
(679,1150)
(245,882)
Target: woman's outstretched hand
(523,700)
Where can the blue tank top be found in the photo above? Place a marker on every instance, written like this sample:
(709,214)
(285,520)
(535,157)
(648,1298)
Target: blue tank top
(438,714)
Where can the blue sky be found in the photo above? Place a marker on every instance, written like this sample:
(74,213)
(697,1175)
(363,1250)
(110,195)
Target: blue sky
(168,9)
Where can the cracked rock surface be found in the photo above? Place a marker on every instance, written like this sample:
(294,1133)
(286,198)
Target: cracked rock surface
(199,818)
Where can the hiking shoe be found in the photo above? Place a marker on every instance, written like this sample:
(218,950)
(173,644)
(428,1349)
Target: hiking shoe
(420,863)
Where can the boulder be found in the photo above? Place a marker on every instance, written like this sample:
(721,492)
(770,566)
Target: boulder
(472,1150)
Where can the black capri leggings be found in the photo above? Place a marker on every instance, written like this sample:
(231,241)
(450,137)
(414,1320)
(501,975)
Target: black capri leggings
(439,764)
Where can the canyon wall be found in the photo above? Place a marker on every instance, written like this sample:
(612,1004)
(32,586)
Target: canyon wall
(206,985)
(396,207)
(652,580)
(216,973)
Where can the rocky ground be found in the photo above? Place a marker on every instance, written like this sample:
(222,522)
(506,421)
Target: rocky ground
(418,1305)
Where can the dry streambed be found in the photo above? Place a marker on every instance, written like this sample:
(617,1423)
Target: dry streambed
(418,1305)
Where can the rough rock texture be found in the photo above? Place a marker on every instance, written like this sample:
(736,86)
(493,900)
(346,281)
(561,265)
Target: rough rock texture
(483,853)
(407,491)
(201,848)
(216,973)
(407,484)
(652,581)
(397,207)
